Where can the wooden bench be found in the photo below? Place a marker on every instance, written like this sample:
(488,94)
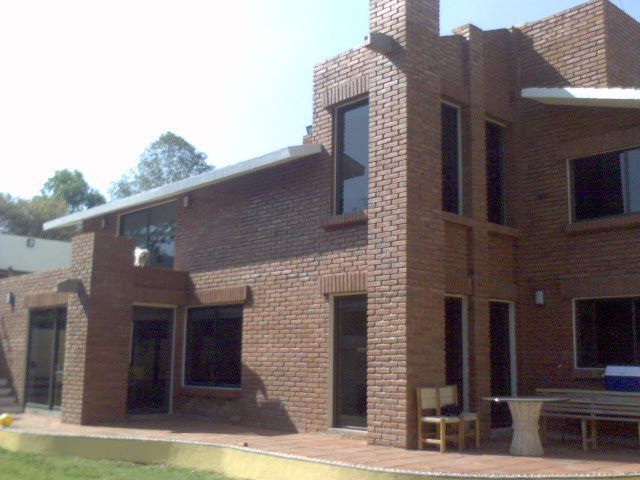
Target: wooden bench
(591,406)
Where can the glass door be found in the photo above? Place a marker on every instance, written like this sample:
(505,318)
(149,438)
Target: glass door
(500,358)
(351,362)
(45,358)
(150,364)
(454,345)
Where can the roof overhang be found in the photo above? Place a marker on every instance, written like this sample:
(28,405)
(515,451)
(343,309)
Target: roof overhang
(586,97)
(175,189)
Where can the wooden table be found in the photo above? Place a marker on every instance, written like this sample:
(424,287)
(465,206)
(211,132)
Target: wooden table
(525,413)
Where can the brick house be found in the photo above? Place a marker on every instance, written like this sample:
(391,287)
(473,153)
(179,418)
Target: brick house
(465,209)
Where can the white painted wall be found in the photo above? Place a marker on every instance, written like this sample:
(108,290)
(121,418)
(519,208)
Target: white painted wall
(44,255)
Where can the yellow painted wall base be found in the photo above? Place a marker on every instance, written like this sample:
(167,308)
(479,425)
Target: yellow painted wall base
(224,460)
(233,462)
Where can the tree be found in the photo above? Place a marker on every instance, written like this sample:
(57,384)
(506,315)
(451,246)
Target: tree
(73,189)
(26,217)
(168,159)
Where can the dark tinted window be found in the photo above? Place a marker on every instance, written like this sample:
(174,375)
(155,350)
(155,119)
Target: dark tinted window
(607,332)
(154,229)
(606,185)
(214,347)
(352,158)
(597,186)
(495,166)
(450,159)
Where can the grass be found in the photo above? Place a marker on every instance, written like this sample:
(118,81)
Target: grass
(27,466)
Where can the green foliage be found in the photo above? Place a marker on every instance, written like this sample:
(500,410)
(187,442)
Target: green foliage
(73,189)
(26,466)
(63,193)
(169,159)
(26,217)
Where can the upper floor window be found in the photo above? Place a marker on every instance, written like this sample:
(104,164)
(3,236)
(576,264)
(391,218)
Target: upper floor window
(154,228)
(606,184)
(607,332)
(495,166)
(213,347)
(352,158)
(451,166)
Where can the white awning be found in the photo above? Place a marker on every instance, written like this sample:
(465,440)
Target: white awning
(586,97)
(175,189)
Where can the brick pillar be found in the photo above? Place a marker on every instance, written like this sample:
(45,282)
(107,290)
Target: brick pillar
(475,206)
(98,330)
(406,232)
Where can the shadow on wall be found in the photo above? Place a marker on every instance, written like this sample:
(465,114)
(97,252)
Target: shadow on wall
(532,69)
(252,411)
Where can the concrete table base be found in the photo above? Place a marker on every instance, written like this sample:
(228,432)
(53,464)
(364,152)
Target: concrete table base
(526,436)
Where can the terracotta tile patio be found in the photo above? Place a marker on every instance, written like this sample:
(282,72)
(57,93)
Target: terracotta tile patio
(561,458)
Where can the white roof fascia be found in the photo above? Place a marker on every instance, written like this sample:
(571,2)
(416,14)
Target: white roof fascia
(175,189)
(586,97)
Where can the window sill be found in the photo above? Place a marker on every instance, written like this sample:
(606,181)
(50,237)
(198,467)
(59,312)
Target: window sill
(497,229)
(332,222)
(457,219)
(587,373)
(621,222)
(212,392)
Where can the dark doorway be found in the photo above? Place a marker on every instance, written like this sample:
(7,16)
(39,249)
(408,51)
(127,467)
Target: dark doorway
(454,344)
(45,361)
(150,364)
(500,362)
(351,362)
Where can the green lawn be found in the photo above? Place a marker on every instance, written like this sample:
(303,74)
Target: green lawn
(25,466)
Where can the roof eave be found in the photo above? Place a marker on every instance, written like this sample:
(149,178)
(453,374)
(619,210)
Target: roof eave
(585,97)
(173,190)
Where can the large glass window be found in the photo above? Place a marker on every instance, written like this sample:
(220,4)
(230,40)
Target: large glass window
(495,165)
(450,118)
(607,332)
(606,184)
(154,229)
(352,161)
(213,347)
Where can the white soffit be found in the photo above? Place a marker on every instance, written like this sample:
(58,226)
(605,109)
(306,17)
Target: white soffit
(586,97)
(175,189)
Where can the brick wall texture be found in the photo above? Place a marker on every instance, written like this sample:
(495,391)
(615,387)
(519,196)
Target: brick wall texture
(271,240)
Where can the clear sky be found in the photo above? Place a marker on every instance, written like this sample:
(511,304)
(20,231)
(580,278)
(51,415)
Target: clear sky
(88,84)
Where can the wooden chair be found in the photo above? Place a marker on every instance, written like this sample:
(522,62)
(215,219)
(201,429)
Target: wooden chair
(432,425)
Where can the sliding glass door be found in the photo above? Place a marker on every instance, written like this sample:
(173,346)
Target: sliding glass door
(45,361)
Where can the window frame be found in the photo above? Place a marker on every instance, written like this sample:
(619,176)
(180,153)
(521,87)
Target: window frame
(120,216)
(624,187)
(337,138)
(574,308)
(183,376)
(503,183)
(460,186)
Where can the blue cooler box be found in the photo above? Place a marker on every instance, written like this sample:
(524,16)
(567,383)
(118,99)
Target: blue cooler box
(622,379)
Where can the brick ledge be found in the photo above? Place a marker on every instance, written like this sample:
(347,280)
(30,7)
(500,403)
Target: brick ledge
(621,222)
(330,222)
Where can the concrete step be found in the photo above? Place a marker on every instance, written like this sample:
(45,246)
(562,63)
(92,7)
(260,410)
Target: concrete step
(11,409)
(7,401)
(6,392)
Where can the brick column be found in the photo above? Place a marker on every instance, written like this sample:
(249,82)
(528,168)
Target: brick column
(406,232)
(98,330)
(475,206)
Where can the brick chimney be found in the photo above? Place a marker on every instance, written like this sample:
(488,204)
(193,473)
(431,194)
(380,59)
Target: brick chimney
(405,229)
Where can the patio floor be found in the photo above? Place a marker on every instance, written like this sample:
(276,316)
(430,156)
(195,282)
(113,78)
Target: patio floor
(561,458)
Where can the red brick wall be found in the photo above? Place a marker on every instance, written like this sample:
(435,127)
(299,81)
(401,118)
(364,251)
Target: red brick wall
(622,34)
(548,49)
(264,231)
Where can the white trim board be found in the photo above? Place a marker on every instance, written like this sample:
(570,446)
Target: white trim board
(175,189)
(585,97)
